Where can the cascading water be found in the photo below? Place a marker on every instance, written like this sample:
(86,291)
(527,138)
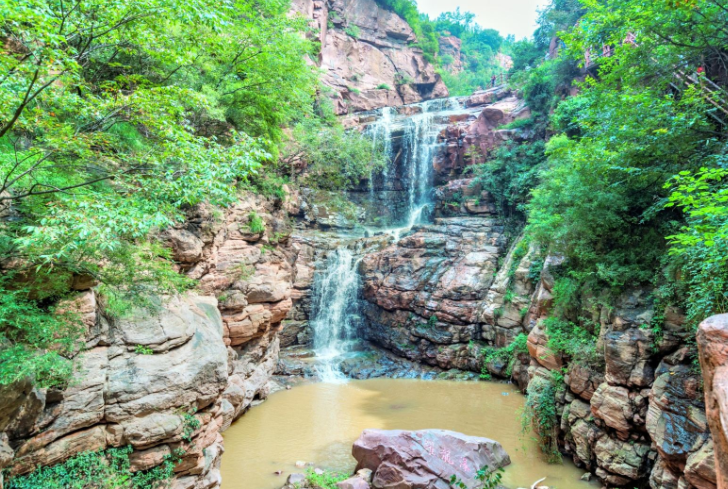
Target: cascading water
(418,144)
(336,288)
(334,308)
(381,130)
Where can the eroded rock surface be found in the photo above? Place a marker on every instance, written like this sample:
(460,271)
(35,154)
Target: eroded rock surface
(146,378)
(368,56)
(425,459)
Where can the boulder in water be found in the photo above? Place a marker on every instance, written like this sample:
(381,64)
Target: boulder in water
(425,459)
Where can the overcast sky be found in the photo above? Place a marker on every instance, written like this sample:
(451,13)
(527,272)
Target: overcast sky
(517,17)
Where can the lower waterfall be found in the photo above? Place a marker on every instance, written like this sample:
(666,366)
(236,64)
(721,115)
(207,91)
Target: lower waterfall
(334,308)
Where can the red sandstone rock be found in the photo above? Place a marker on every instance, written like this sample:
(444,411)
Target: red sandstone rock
(425,459)
(353,483)
(713,348)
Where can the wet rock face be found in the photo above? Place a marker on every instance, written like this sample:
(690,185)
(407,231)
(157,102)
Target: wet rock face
(369,362)
(713,348)
(634,414)
(379,63)
(469,141)
(425,459)
(424,292)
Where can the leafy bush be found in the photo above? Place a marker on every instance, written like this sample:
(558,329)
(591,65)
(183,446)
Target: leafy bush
(507,355)
(334,159)
(325,480)
(353,31)
(575,342)
(383,86)
(541,416)
(108,469)
(256,225)
(510,175)
(37,339)
(485,479)
(143,350)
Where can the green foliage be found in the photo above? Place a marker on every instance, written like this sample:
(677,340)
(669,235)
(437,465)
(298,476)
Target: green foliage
(535,269)
(485,479)
(334,159)
(478,49)
(190,425)
(143,350)
(599,201)
(507,355)
(704,199)
(540,414)
(697,265)
(576,342)
(383,86)
(353,31)
(37,338)
(109,136)
(255,225)
(108,469)
(325,480)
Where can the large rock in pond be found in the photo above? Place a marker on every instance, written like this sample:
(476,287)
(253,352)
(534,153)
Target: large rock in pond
(425,459)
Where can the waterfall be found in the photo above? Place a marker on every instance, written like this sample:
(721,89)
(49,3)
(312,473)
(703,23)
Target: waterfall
(335,303)
(419,144)
(381,134)
(381,130)
(334,308)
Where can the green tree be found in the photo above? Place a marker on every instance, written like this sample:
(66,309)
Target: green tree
(118,116)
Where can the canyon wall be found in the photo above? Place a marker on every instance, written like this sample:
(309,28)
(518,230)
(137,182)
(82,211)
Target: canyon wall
(170,378)
(452,291)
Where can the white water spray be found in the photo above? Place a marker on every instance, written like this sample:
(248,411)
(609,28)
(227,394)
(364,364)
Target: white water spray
(336,288)
(335,298)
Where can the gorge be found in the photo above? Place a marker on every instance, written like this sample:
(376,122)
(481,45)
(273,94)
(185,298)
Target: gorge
(258,199)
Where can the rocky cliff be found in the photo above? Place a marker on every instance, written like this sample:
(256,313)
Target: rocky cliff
(369,56)
(169,379)
(452,291)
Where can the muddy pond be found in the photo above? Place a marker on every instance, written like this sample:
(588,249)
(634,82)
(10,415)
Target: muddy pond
(319,422)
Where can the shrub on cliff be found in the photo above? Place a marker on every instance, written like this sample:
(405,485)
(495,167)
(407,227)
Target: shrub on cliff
(332,158)
(109,469)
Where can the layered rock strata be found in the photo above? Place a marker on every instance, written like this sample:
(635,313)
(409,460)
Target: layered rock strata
(174,375)
(633,412)
(713,347)
(369,56)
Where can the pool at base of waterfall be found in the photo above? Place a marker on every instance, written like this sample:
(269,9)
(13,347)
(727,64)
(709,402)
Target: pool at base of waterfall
(318,423)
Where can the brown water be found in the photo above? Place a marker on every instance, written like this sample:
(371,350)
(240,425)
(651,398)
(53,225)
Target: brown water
(319,422)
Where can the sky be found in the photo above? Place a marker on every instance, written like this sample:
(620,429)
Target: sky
(517,17)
